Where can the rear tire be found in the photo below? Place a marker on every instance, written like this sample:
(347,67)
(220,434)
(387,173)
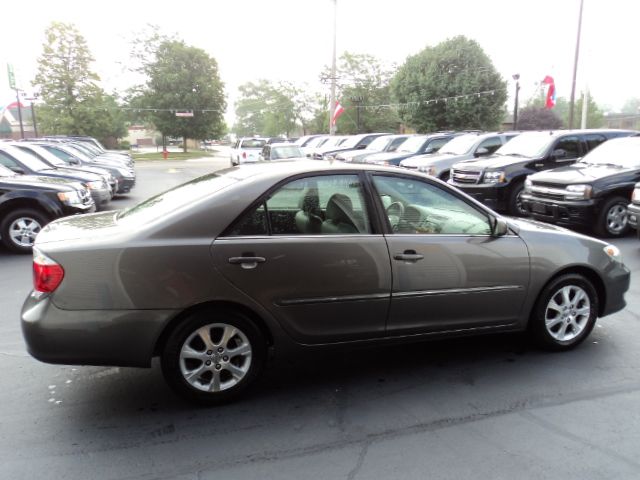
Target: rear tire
(565,313)
(20,227)
(213,356)
(613,220)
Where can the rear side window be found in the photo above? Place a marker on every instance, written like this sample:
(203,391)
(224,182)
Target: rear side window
(593,140)
(319,205)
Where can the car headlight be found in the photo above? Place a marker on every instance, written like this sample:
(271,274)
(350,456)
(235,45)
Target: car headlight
(95,185)
(70,198)
(613,252)
(578,192)
(635,197)
(494,177)
(126,173)
(527,185)
(428,169)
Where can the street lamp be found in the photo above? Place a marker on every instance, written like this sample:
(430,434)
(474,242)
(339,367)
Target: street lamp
(516,77)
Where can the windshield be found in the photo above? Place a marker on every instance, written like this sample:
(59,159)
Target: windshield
(5,172)
(316,142)
(85,146)
(530,145)
(27,159)
(176,198)
(253,143)
(81,148)
(459,145)
(412,145)
(43,154)
(292,151)
(351,142)
(379,144)
(76,152)
(61,154)
(622,152)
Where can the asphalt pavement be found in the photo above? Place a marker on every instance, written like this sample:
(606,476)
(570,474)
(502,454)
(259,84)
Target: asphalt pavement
(490,407)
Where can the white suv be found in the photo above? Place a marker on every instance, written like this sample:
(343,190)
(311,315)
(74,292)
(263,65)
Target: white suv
(246,150)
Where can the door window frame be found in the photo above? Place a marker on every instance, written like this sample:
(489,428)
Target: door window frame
(375,224)
(384,220)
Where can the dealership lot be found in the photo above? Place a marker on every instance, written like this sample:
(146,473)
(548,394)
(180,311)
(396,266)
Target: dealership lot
(483,408)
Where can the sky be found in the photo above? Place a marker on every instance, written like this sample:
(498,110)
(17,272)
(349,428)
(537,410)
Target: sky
(292,39)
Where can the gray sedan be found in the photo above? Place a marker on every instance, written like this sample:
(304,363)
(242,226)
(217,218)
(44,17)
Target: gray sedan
(215,273)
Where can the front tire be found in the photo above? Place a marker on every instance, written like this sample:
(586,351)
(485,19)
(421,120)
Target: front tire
(20,227)
(213,356)
(516,208)
(565,313)
(613,220)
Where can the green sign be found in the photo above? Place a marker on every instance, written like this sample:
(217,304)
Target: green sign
(12,76)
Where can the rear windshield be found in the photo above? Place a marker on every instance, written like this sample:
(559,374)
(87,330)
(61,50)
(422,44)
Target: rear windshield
(177,197)
(286,152)
(253,143)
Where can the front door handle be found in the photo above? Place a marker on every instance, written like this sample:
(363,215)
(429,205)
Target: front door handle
(247,262)
(408,256)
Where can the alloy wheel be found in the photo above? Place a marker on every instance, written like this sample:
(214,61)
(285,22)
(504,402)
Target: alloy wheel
(23,231)
(617,219)
(567,313)
(215,357)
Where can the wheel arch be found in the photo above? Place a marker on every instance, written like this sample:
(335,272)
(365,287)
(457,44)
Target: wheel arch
(218,305)
(12,204)
(587,272)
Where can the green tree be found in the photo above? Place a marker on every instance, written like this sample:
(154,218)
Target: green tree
(363,88)
(271,109)
(631,106)
(455,67)
(538,118)
(72,100)
(180,78)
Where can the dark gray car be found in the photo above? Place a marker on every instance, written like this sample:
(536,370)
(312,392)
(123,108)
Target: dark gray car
(213,274)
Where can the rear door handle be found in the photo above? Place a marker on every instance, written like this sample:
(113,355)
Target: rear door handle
(408,256)
(247,262)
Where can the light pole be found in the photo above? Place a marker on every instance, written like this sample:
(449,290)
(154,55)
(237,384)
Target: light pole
(575,68)
(332,101)
(516,77)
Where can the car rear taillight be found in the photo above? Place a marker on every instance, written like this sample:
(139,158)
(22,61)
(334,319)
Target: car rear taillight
(244,154)
(47,274)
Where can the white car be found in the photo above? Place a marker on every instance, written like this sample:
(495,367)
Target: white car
(247,150)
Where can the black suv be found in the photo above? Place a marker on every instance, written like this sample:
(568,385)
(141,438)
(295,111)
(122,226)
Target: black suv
(592,193)
(498,180)
(28,203)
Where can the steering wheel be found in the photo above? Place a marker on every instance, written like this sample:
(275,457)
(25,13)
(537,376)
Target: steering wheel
(394,212)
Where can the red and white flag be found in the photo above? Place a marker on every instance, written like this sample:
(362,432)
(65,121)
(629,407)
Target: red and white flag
(336,114)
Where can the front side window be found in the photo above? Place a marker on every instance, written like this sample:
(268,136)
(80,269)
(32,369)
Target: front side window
(566,148)
(319,205)
(418,207)
(491,144)
(435,145)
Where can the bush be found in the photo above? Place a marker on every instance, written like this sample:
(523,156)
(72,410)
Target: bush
(124,145)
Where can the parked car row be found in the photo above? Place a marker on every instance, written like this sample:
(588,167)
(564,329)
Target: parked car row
(48,178)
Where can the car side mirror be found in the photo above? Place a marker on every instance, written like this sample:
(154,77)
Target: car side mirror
(559,153)
(429,150)
(74,161)
(500,227)
(17,170)
(361,147)
(481,152)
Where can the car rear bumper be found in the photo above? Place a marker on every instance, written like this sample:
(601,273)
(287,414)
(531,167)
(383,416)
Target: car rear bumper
(90,337)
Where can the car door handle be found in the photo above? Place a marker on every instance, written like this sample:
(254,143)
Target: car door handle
(408,256)
(247,262)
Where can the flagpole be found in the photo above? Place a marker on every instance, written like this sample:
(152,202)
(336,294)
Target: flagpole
(332,101)
(575,68)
